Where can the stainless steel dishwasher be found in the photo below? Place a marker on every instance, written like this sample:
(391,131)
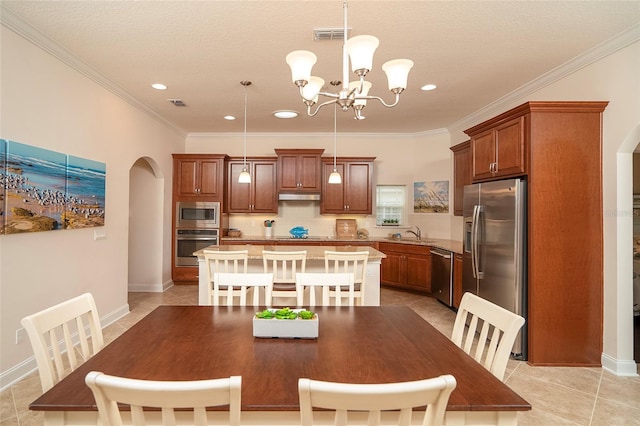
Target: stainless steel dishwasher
(441,275)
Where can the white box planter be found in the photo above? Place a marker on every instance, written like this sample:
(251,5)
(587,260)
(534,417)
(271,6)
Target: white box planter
(286,328)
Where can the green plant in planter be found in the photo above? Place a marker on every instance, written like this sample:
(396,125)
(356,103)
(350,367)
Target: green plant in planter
(285,313)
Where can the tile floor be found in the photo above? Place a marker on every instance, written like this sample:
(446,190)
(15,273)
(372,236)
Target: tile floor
(558,395)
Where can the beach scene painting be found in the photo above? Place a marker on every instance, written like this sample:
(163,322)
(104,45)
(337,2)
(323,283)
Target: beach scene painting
(431,197)
(85,193)
(36,198)
(3,168)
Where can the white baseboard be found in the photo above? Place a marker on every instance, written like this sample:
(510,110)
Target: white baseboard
(627,368)
(150,288)
(28,366)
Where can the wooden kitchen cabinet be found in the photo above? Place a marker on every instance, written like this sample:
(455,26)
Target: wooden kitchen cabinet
(406,266)
(499,152)
(260,195)
(299,170)
(354,194)
(457,280)
(461,173)
(198,177)
(563,152)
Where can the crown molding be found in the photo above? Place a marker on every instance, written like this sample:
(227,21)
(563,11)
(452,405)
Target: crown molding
(31,34)
(586,58)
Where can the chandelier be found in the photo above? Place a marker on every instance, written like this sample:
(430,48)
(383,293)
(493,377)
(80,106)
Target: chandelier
(355,94)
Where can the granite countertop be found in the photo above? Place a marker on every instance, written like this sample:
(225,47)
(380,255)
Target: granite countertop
(450,245)
(313,252)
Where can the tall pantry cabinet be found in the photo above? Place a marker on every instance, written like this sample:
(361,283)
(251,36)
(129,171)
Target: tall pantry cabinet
(557,148)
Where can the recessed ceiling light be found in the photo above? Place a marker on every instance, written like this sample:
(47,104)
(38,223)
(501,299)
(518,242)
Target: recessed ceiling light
(159,86)
(229,117)
(428,87)
(285,114)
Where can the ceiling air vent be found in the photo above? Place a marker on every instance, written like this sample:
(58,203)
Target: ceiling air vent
(177,102)
(328,34)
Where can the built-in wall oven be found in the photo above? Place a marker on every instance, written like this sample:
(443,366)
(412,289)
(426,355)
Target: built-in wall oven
(189,240)
(197,227)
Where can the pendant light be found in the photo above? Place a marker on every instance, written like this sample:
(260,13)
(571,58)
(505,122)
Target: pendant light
(334,177)
(245,177)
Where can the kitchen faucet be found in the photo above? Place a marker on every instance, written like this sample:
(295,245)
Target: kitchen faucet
(417,233)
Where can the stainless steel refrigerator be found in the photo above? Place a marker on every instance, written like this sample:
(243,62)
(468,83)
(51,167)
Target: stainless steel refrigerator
(494,256)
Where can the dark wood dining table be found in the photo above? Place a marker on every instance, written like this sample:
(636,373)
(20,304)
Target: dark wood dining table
(355,345)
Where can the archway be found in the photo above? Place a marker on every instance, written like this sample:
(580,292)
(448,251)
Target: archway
(146,185)
(622,362)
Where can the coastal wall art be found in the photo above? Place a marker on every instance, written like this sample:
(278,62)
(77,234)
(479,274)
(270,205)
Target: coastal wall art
(47,190)
(431,197)
(3,168)
(85,193)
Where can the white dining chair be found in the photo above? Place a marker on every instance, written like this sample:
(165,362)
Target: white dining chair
(352,262)
(373,399)
(108,391)
(499,330)
(284,265)
(260,285)
(223,261)
(333,288)
(54,333)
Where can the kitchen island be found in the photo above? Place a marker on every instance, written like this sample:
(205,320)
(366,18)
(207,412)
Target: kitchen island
(315,263)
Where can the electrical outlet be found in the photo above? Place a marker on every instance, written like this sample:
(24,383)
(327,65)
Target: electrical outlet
(20,335)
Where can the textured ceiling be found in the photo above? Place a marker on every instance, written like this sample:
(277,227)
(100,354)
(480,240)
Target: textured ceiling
(475,51)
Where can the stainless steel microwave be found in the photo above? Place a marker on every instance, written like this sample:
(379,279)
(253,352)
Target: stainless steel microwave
(197,214)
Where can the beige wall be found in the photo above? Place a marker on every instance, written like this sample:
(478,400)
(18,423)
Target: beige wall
(47,104)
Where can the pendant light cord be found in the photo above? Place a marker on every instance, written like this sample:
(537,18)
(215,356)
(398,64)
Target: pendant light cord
(244,162)
(335,135)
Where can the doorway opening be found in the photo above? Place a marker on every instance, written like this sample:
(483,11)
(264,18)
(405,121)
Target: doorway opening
(146,206)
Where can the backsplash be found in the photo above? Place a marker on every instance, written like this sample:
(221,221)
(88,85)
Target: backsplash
(307,214)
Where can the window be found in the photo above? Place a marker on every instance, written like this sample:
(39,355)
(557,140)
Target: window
(390,205)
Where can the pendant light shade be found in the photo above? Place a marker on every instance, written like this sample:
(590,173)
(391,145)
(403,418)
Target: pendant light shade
(244,176)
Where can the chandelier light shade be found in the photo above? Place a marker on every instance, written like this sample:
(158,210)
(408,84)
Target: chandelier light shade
(360,50)
(244,176)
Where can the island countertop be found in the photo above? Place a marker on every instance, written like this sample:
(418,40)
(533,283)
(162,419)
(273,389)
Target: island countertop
(313,252)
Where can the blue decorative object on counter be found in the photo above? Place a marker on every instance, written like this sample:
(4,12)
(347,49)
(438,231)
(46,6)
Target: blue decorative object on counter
(299,232)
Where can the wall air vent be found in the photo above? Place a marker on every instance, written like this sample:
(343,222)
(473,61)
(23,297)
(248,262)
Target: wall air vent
(320,34)
(177,102)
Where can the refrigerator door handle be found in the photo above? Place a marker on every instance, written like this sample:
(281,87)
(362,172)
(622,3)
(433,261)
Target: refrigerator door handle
(475,242)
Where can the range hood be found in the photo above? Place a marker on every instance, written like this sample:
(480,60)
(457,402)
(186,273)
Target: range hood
(298,196)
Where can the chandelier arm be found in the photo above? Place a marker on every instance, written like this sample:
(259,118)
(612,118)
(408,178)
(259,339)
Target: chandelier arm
(378,98)
(312,114)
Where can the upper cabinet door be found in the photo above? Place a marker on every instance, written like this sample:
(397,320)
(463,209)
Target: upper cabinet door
(198,177)
(260,195)
(461,173)
(299,170)
(499,152)
(354,194)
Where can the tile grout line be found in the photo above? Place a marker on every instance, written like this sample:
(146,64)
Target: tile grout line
(595,400)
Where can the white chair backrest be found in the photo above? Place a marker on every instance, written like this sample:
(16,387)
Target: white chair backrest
(353,262)
(333,286)
(68,321)
(222,261)
(493,350)
(238,285)
(108,391)
(375,398)
(284,264)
